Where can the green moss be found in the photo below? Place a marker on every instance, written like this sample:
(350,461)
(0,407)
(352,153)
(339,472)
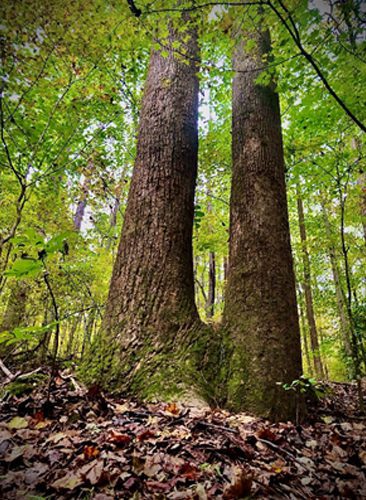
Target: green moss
(20,387)
(157,368)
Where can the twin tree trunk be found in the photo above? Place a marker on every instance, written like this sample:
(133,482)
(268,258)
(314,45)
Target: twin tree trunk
(149,343)
(152,343)
(260,311)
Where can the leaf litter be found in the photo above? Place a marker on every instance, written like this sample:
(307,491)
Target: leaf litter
(85,444)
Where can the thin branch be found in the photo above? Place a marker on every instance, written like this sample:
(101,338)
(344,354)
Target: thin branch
(296,38)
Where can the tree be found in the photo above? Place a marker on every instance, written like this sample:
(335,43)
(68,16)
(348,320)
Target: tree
(147,341)
(314,340)
(345,325)
(260,310)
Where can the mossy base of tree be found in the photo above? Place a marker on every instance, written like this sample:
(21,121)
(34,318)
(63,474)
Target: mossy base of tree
(241,388)
(184,368)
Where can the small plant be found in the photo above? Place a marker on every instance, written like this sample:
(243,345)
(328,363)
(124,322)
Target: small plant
(306,386)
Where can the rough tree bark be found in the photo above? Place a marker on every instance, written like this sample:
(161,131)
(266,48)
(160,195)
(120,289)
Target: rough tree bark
(149,344)
(260,312)
(314,340)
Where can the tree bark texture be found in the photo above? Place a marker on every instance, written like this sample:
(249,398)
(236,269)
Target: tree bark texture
(147,344)
(314,340)
(260,312)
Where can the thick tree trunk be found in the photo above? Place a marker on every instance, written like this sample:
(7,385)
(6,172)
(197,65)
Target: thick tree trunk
(260,311)
(314,341)
(147,344)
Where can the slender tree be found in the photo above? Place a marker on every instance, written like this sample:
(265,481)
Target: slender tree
(211,293)
(15,312)
(211,296)
(81,205)
(147,344)
(314,340)
(344,320)
(303,329)
(260,311)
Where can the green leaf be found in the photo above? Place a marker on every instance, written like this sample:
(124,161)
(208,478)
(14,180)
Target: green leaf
(24,268)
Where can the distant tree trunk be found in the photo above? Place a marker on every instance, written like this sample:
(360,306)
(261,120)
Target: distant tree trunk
(80,208)
(260,311)
(116,207)
(314,341)
(325,367)
(89,325)
(147,344)
(357,343)
(303,330)
(362,182)
(70,349)
(341,300)
(15,312)
(226,267)
(113,219)
(210,304)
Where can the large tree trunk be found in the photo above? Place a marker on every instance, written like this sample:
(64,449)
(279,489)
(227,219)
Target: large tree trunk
(314,341)
(147,342)
(260,312)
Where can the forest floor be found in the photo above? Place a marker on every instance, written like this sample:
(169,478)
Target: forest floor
(73,443)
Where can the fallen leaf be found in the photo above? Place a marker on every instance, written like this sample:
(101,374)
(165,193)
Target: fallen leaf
(188,471)
(95,473)
(240,486)
(90,452)
(118,438)
(67,482)
(18,423)
(15,453)
(145,435)
(5,435)
(172,408)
